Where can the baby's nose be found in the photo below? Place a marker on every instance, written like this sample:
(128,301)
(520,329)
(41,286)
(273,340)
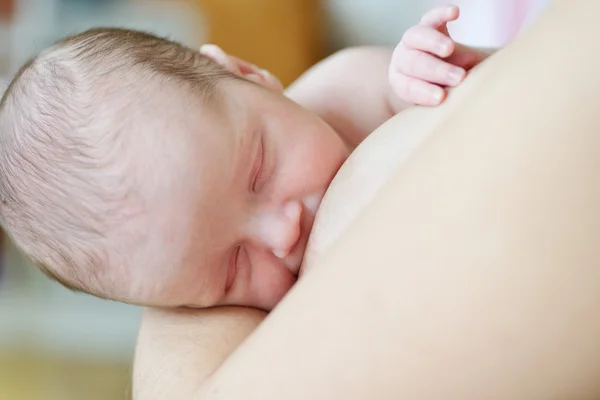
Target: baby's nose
(280,228)
(291,231)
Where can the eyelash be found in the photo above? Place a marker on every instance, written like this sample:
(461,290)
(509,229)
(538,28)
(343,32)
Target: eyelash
(259,170)
(233,268)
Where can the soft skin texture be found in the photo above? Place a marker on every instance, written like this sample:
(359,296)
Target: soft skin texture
(209,201)
(274,161)
(483,278)
(427,60)
(356,184)
(253,186)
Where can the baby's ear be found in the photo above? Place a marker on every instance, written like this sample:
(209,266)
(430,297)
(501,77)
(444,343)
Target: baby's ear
(240,67)
(217,54)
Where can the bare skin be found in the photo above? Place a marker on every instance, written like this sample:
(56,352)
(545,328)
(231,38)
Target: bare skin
(196,331)
(473,273)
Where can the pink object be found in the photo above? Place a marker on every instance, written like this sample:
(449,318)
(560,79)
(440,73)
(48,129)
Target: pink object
(493,23)
(517,14)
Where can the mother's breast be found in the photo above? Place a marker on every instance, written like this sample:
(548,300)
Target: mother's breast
(373,162)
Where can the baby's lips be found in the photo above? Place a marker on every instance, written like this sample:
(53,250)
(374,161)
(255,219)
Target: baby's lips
(294,260)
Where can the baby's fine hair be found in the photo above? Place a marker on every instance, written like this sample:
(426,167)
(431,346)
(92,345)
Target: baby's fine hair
(64,188)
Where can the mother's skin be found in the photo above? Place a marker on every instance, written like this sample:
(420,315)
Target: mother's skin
(178,349)
(474,273)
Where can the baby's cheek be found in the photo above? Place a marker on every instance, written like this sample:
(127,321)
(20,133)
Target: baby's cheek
(269,283)
(262,285)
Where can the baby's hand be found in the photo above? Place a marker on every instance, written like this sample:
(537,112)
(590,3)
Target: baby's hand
(427,59)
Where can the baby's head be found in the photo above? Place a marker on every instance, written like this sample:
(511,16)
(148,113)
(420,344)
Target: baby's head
(136,169)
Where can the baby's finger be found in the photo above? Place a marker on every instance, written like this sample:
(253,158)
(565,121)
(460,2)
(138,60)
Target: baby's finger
(439,16)
(424,66)
(425,38)
(416,91)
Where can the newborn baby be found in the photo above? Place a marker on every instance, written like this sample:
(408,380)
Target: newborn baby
(136,169)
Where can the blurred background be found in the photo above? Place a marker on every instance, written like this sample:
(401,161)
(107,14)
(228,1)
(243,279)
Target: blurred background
(58,345)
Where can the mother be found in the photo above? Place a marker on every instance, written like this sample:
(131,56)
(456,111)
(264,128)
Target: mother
(473,273)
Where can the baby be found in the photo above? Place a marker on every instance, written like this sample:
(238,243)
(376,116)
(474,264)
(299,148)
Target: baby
(136,169)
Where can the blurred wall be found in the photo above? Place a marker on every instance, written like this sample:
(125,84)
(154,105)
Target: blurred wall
(360,22)
(38,23)
(283,36)
(485,23)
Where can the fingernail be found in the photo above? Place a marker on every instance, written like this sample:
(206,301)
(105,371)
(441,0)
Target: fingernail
(443,49)
(451,8)
(456,75)
(437,95)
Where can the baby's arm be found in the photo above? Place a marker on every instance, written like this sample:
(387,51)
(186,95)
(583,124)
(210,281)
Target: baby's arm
(427,60)
(359,88)
(177,350)
(350,91)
